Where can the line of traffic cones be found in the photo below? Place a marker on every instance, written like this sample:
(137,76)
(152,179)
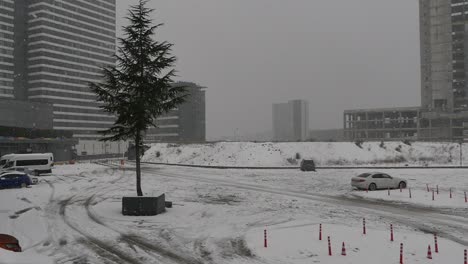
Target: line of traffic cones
(343,246)
(436,191)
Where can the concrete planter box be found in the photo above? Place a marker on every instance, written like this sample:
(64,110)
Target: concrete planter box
(141,205)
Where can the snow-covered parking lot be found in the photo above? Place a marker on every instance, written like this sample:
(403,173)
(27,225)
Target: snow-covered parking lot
(219,216)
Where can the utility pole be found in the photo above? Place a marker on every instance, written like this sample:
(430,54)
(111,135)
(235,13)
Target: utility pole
(461,152)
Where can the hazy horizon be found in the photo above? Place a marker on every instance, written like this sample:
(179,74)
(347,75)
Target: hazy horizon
(251,54)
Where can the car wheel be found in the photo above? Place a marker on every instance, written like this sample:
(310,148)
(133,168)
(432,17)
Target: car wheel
(372,187)
(402,185)
(23,185)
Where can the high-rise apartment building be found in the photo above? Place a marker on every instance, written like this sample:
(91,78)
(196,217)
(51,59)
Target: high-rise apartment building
(68,42)
(443,27)
(291,121)
(7,44)
(51,50)
(438,54)
(443,114)
(444,86)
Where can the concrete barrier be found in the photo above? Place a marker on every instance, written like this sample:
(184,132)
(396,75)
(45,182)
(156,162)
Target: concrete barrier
(142,205)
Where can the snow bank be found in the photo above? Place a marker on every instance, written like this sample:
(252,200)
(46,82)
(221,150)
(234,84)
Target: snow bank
(290,154)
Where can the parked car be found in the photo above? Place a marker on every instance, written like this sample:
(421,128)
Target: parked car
(34,180)
(307,165)
(13,179)
(25,170)
(9,243)
(377,180)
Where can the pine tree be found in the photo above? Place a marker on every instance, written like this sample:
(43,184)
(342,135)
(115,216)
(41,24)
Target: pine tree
(140,88)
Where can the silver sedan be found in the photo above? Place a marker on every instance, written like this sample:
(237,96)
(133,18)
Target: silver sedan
(377,180)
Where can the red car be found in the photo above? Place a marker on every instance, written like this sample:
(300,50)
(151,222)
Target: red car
(9,243)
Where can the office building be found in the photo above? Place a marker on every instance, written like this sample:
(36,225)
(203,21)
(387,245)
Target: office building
(382,123)
(67,44)
(49,52)
(186,123)
(291,121)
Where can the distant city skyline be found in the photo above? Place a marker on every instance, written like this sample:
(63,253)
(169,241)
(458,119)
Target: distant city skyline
(335,54)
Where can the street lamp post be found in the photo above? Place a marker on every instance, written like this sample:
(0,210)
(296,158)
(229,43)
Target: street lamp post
(461,152)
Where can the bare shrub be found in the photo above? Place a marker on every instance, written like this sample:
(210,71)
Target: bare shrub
(359,143)
(407,142)
(382,145)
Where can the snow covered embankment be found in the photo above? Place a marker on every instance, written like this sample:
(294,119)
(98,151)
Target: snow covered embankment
(250,154)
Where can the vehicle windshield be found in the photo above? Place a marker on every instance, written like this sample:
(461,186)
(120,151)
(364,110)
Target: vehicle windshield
(9,164)
(364,175)
(2,162)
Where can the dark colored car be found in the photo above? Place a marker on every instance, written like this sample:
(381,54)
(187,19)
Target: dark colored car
(307,165)
(14,179)
(9,243)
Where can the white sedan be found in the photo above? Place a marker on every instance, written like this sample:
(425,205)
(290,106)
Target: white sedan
(377,180)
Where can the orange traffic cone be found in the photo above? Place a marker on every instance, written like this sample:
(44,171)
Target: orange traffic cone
(429,253)
(343,250)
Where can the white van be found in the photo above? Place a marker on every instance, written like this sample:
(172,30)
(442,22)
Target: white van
(4,159)
(37,163)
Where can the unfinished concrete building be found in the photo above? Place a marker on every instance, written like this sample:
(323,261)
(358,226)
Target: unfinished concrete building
(443,114)
(384,123)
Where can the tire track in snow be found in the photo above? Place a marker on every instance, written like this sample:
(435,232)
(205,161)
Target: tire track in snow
(101,248)
(147,245)
(106,253)
(422,218)
(141,242)
(161,254)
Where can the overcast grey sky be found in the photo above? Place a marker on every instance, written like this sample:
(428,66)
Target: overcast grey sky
(338,55)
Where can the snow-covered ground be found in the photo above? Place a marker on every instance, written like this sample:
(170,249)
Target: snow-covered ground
(219,216)
(298,242)
(324,153)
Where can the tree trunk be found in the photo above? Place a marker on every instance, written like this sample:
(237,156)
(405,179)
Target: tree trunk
(138,169)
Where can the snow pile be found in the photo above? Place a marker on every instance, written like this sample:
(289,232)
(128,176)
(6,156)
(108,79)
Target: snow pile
(290,154)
